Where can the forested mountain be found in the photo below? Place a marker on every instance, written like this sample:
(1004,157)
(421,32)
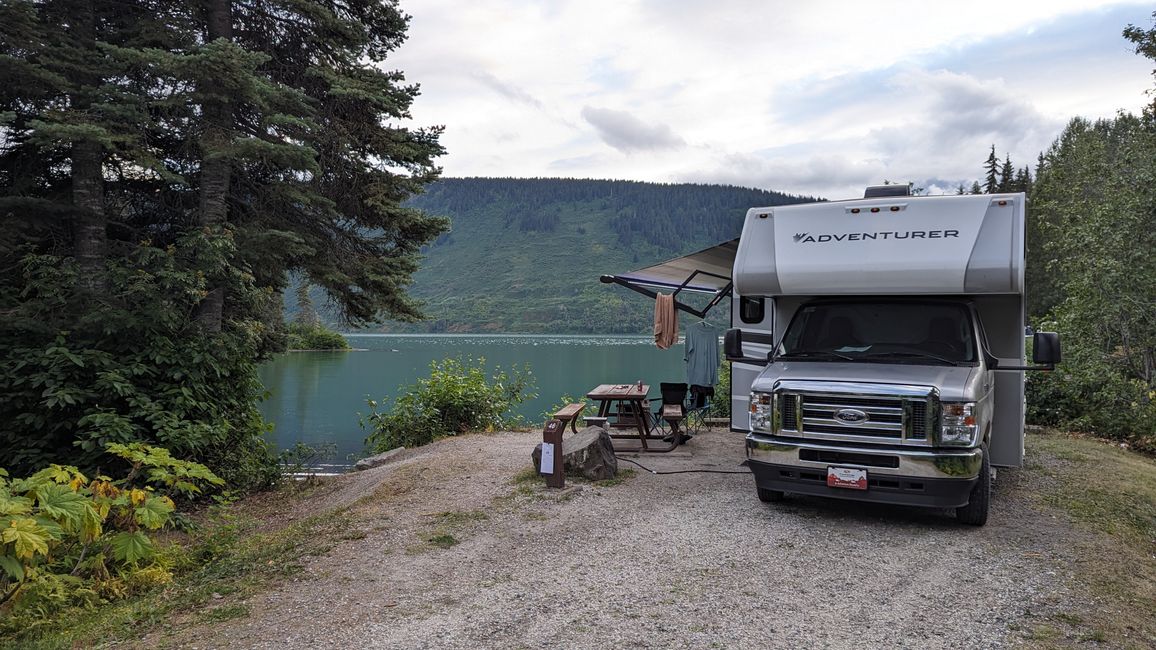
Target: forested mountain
(525,255)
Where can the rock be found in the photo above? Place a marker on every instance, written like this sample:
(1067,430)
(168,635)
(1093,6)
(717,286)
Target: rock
(587,453)
(380,459)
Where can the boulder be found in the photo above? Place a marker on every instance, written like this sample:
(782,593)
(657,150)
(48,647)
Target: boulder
(374,461)
(587,453)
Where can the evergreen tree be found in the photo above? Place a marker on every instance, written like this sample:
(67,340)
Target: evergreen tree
(991,167)
(1006,175)
(306,312)
(1023,180)
(975,188)
(163,166)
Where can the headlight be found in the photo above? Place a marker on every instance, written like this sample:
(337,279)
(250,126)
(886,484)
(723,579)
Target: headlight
(958,426)
(761,412)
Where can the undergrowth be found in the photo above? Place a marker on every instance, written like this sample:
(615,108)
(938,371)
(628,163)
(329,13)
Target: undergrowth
(1110,493)
(222,560)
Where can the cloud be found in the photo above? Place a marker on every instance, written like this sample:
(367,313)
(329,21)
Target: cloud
(507,90)
(627,133)
(816,105)
(831,175)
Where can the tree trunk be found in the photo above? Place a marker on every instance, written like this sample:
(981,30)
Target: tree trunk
(89,226)
(215,171)
(89,232)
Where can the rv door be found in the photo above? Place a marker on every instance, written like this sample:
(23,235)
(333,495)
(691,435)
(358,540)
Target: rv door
(754,316)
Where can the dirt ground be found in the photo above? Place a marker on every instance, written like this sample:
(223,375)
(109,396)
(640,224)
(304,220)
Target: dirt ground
(452,552)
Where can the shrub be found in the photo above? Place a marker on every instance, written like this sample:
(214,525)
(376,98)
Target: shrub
(720,406)
(314,337)
(563,401)
(79,373)
(67,540)
(457,397)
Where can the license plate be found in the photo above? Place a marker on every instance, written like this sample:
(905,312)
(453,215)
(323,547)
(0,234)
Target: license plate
(847,477)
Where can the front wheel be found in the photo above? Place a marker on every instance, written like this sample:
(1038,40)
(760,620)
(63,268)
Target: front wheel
(975,512)
(771,496)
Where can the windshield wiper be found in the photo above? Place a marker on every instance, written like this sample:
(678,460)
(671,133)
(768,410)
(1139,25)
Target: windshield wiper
(914,355)
(816,353)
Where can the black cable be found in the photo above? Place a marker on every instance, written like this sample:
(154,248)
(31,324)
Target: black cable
(684,471)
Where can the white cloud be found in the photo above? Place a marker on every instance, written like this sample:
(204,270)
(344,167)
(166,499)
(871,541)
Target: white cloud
(817,97)
(627,133)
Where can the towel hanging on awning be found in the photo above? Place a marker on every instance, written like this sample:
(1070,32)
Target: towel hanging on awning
(665,321)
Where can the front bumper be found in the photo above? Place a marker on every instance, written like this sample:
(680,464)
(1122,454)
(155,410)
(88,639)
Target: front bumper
(936,478)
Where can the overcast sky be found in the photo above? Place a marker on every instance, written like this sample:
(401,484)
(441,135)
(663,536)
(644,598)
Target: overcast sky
(801,96)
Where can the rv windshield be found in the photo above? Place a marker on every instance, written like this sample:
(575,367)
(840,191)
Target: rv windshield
(889,332)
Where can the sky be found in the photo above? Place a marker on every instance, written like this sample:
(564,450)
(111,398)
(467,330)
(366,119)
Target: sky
(814,97)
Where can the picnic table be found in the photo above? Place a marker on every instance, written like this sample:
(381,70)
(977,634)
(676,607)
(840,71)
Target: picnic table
(627,406)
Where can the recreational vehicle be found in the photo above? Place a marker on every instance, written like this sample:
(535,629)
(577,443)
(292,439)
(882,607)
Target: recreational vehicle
(878,346)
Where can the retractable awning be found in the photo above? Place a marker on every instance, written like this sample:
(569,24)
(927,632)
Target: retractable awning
(706,271)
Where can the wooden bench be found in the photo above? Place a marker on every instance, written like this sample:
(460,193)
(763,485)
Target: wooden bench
(674,416)
(570,413)
(595,421)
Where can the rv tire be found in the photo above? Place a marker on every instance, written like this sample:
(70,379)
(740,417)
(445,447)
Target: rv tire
(975,512)
(771,496)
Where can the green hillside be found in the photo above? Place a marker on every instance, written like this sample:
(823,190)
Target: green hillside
(524,255)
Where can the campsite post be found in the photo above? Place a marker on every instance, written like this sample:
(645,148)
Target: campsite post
(551,464)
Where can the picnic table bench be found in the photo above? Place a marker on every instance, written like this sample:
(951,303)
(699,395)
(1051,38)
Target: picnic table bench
(570,413)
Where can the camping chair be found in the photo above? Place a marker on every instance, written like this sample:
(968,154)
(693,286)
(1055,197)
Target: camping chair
(697,407)
(672,395)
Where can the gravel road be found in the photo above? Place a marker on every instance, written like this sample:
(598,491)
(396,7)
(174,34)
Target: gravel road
(674,561)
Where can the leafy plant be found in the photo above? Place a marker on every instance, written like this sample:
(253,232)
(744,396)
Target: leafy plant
(68,540)
(79,375)
(301,456)
(456,397)
(314,337)
(720,406)
(1094,202)
(563,401)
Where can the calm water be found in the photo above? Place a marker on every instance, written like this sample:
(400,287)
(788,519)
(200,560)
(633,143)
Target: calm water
(315,397)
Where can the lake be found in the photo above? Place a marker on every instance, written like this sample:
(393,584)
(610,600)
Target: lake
(315,397)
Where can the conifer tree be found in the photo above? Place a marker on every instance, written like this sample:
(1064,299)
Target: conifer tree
(991,167)
(199,152)
(1006,175)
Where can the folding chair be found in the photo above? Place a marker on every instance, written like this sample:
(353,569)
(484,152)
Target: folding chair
(672,395)
(697,406)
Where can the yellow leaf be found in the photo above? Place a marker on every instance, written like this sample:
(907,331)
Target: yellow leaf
(27,538)
(138,496)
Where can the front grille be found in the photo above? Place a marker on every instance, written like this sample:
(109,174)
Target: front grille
(918,419)
(865,418)
(790,413)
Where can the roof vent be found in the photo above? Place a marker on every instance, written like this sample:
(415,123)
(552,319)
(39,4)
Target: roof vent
(895,189)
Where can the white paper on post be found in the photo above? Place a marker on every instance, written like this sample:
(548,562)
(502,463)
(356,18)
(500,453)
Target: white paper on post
(547,458)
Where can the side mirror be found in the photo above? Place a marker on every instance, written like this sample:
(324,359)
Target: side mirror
(1046,348)
(733,344)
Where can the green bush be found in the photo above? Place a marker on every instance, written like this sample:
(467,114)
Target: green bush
(70,541)
(314,337)
(457,397)
(563,401)
(1094,398)
(80,372)
(720,406)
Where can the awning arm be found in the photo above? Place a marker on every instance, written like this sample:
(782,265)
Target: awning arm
(701,313)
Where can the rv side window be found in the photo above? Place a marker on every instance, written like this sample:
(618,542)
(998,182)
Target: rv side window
(751,310)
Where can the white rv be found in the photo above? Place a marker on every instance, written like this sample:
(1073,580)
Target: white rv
(878,348)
